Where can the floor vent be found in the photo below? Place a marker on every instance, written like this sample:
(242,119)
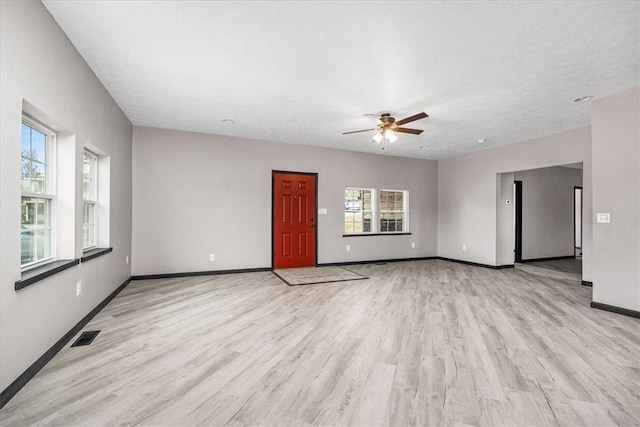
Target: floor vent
(85,338)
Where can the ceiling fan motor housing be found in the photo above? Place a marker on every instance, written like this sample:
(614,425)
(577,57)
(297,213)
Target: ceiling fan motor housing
(386,120)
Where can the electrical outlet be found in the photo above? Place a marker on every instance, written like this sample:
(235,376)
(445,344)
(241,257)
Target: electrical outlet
(348,248)
(413,244)
(126,259)
(464,247)
(78,288)
(212,257)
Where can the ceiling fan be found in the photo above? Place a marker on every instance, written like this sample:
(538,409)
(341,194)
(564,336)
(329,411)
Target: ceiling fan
(387,126)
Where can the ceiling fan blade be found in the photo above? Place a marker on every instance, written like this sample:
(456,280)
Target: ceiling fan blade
(412,118)
(407,130)
(356,131)
(374,118)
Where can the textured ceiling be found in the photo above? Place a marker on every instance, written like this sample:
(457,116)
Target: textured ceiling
(304,72)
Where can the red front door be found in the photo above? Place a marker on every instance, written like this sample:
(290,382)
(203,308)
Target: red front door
(294,209)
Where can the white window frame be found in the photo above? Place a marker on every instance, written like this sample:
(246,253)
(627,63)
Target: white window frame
(49,192)
(373,211)
(404,211)
(86,201)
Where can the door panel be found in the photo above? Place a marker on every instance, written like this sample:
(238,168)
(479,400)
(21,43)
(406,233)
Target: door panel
(294,232)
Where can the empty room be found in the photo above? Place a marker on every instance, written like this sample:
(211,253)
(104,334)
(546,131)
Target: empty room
(328,213)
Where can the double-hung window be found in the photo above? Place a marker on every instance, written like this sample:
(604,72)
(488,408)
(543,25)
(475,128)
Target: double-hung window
(393,211)
(365,213)
(38,194)
(358,210)
(89,197)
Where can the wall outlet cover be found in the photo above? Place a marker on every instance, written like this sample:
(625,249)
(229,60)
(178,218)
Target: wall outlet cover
(603,218)
(348,248)
(464,247)
(78,288)
(212,257)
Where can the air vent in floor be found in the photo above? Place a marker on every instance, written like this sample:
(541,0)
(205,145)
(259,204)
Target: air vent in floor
(85,338)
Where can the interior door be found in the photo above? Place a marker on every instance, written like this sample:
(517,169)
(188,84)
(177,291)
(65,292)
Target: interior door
(294,219)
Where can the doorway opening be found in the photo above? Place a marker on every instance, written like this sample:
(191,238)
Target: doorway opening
(540,220)
(517,220)
(294,230)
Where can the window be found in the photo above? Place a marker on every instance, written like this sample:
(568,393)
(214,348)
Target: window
(358,210)
(393,215)
(38,198)
(89,197)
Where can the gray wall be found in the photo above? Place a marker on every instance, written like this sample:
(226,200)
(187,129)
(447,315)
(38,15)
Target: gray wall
(616,190)
(547,211)
(43,68)
(469,194)
(197,194)
(505,220)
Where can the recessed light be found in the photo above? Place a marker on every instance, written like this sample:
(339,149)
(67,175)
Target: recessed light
(583,98)
(482,141)
(228,121)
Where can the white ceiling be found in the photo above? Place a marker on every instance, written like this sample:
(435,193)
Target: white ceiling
(304,72)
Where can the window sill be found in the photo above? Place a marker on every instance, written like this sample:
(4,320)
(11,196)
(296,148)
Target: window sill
(37,274)
(94,253)
(376,234)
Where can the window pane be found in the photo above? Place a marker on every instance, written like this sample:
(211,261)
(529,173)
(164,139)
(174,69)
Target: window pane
(38,177)
(26,141)
(89,225)
(38,145)
(366,222)
(89,176)
(358,206)
(26,174)
(35,229)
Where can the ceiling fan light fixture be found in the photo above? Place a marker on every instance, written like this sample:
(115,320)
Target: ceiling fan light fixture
(378,137)
(390,135)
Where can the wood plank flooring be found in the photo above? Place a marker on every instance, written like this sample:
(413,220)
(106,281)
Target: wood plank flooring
(419,343)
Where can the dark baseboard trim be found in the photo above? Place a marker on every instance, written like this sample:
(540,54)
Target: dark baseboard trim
(614,309)
(376,261)
(553,258)
(32,370)
(587,283)
(199,273)
(476,264)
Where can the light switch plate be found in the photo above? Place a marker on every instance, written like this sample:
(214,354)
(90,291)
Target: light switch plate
(603,218)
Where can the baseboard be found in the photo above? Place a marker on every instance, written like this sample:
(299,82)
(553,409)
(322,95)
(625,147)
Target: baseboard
(26,376)
(476,264)
(375,261)
(199,273)
(587,283)
(553,258)
(378,261)
(614,309)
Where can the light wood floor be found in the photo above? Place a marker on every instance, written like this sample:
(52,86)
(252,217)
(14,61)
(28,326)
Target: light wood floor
(419,343)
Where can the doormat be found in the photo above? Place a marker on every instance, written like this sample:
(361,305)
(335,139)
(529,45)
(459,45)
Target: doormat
(316,275)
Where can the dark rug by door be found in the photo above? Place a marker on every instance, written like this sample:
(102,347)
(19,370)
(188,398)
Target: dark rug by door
(315,275)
